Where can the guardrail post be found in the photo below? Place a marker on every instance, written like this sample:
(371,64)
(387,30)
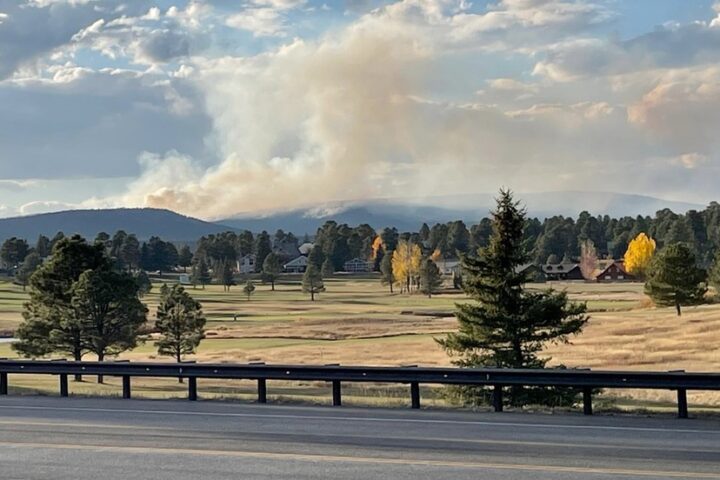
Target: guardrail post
(3,383)
(587,401)
(262,390)
(497,398)
(337,393)
(415,395)
(682,403)
(192,388)
(63,385)
(126,386)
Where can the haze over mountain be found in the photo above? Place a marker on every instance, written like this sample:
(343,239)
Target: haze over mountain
(410,213)
(143,222)
(405,214)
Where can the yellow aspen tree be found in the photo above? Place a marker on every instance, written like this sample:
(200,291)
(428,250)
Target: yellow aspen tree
(639,254)
(376,246)
(406,264)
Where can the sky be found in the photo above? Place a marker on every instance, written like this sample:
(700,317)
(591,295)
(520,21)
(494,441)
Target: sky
(214,108)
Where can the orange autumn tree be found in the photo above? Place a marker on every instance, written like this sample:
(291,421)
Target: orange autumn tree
(639,254)
(376,246)
(406,264)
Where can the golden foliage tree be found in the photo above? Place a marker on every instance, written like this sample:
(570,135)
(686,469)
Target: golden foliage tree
(406,261)
(639,254)
(376,246)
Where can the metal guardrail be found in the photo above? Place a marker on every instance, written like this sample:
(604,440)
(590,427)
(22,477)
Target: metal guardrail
(584,380)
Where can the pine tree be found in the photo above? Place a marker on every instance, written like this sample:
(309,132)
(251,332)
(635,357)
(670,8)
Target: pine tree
(185,257)
(200,273)
(508,326)
(674,279)
(110,312)
(180,323)
(31,263)
(224,274)
(386,271)
(271,270)
(714,275)
(430,277)
(263,248)
(312,282)
(143,282)
(249,288)
(327,268)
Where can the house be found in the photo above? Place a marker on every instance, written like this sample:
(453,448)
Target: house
(246,264)
(184,279)
(562,271)
(296,265)
(534,272)
(358,265)
(611,271)
(449,266)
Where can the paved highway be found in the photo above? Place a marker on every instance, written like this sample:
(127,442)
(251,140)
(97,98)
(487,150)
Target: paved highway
(109,439)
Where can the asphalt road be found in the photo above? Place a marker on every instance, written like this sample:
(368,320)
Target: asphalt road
(109,439)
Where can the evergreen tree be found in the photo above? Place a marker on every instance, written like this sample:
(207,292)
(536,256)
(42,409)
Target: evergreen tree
(271,270)
(110,312)
(143,283)
(430,277)
(13,252)
(42,246)
(185,257)
(200,273)
(327,268)
(51,322)
(180,323)
(224,274)
(714,275)
(424,232)
(249,288)
(316,257)
(263,248)
(312,282)
(674,279)
(31,263)
(386,271)
(508,326)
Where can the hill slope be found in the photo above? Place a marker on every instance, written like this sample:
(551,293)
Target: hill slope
(143,222)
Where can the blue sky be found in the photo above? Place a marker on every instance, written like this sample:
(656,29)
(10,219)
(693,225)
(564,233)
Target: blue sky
(219,107)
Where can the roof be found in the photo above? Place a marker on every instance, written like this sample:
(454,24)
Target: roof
(300,261)
(305,248)
(357,260)
(559,267)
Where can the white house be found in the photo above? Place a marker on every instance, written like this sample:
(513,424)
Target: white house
(358,265)
(297,265)
(246,264)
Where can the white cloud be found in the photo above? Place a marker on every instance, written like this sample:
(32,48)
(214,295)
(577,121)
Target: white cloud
(41,206)
(690,160)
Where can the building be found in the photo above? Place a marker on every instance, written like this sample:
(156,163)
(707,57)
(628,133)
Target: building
(449,266)
(305,248)
(562,271)
(358,265)
(534,272)
(611,271)
(296,265)
(246,264)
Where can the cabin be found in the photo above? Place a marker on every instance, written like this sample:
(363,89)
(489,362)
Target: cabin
(358,265)
(296,265)
(611,271)
(562,271)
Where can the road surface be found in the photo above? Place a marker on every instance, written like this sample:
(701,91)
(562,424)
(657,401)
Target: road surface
(113,439)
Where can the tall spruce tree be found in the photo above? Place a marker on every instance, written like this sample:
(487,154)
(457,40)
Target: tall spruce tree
(674,279)
(508,326)
(200,273)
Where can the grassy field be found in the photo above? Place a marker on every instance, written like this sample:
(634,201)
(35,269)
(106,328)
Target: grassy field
(357,321)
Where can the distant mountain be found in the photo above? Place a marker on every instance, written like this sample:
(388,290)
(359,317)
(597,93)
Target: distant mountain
(409,214)
(143,222)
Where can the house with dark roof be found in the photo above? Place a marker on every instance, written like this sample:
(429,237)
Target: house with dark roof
(562,271)
(611,271)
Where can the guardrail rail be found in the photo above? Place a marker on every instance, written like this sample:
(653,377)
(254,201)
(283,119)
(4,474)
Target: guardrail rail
(497,378)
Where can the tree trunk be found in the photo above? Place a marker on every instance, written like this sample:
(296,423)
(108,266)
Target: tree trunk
(178,357)
(272,285)
(312,294)
(77,356)
(677,307)
(101,357)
